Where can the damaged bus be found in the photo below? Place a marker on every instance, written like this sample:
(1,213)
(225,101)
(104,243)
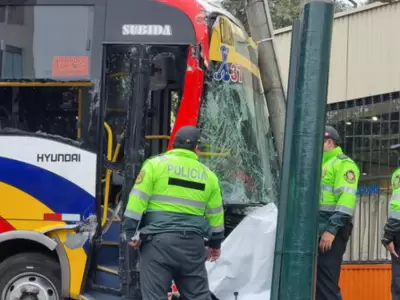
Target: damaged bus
(88,90)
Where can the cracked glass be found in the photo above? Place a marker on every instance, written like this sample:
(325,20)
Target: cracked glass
(239,148)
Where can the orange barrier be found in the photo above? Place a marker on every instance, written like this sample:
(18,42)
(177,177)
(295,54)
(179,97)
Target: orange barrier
(366,282)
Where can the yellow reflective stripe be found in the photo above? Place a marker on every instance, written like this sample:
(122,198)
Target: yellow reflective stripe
(217,229)
(216,210)
(395,197)
(345,189)
(177,200)
(133,215)
(326,188)
(345,209)
(140,194)
(337,208)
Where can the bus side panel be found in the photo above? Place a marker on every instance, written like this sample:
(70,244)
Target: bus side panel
(366,281)
(77,262)
(40,177)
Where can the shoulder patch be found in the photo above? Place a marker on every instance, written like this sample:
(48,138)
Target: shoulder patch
(342,156)
(140,177)
(350,176)
(396,182)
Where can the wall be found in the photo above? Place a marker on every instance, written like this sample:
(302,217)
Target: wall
(365,51)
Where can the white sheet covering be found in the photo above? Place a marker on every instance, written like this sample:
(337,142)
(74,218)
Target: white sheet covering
(246,261)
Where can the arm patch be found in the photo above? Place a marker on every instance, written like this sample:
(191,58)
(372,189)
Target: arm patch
(350,176)
(140,177)
(396,182)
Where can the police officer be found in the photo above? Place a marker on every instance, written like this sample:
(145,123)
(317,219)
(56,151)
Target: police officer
(391,237)
(337,204)
(177,201)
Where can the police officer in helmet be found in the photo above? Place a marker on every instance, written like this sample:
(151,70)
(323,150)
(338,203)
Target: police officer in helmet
(339,183)
(177,201)
(391,237)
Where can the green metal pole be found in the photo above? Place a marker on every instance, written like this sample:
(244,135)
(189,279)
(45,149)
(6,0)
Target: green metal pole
(287,146)
(300,241)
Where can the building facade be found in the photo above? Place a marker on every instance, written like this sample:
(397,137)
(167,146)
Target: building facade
(364,105)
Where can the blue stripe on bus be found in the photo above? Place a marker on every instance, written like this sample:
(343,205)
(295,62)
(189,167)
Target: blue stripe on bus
(56,192)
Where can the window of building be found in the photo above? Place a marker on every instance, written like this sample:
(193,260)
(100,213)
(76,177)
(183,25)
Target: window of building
(15,15)
(12,63)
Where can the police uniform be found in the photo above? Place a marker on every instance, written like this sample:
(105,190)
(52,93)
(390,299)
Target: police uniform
(339,183)
(392,230)
(178,202)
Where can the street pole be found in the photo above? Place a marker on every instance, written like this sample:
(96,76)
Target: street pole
(287,146)
(299,253)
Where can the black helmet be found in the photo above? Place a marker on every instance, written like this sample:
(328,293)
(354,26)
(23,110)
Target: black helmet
(187,137)
(331,133)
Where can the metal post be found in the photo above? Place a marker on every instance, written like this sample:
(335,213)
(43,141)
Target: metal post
(297,280)
(282,204)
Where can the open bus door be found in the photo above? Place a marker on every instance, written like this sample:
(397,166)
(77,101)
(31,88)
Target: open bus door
(141,91)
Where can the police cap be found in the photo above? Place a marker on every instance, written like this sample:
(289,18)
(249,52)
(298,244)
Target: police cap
(331,133)
(395,147)
(187,137)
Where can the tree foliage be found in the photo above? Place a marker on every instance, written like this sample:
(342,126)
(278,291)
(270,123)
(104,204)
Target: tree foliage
(283,12)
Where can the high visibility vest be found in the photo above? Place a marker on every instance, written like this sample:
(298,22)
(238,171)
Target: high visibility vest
(339,183)
(175,191)
(395,199)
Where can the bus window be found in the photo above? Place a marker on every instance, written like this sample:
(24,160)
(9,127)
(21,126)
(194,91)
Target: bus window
(32,51)
(231,124)
(54,110)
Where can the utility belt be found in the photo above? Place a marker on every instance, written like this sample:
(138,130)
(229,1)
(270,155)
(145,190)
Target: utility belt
(147,237)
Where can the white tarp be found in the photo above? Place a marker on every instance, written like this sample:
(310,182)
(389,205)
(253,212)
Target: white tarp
(246,261)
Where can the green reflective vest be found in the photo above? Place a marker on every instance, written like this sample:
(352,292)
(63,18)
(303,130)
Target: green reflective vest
(175,192)
(395,199)
(339,183)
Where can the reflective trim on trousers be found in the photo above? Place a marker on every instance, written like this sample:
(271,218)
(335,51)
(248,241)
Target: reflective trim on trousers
(337,208)
(140,194)
(347,189)
(133,215)
(177,200)
(216,210)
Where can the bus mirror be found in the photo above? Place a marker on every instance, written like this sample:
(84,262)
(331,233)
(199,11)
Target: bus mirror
(158,78)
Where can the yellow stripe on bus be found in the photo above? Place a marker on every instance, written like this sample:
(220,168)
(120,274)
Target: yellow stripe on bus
(233,56)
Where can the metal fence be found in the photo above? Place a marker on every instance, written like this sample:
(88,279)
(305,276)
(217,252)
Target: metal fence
(370,217)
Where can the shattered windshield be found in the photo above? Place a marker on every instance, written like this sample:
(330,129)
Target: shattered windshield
(234,122)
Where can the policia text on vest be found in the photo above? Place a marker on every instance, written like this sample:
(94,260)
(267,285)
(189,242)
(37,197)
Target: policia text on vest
(340,176)
(177,201)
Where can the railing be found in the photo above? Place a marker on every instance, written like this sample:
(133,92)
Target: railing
(373,202)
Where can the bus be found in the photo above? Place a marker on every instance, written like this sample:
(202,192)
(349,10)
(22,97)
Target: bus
(88,90)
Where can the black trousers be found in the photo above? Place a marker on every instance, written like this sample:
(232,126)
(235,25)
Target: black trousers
(328,270)
(396,273)
(174,256)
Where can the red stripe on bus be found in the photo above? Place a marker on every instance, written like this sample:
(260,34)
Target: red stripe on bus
(5,226)
(52,217)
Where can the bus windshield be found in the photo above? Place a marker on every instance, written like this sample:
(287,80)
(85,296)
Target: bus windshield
(234,122)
